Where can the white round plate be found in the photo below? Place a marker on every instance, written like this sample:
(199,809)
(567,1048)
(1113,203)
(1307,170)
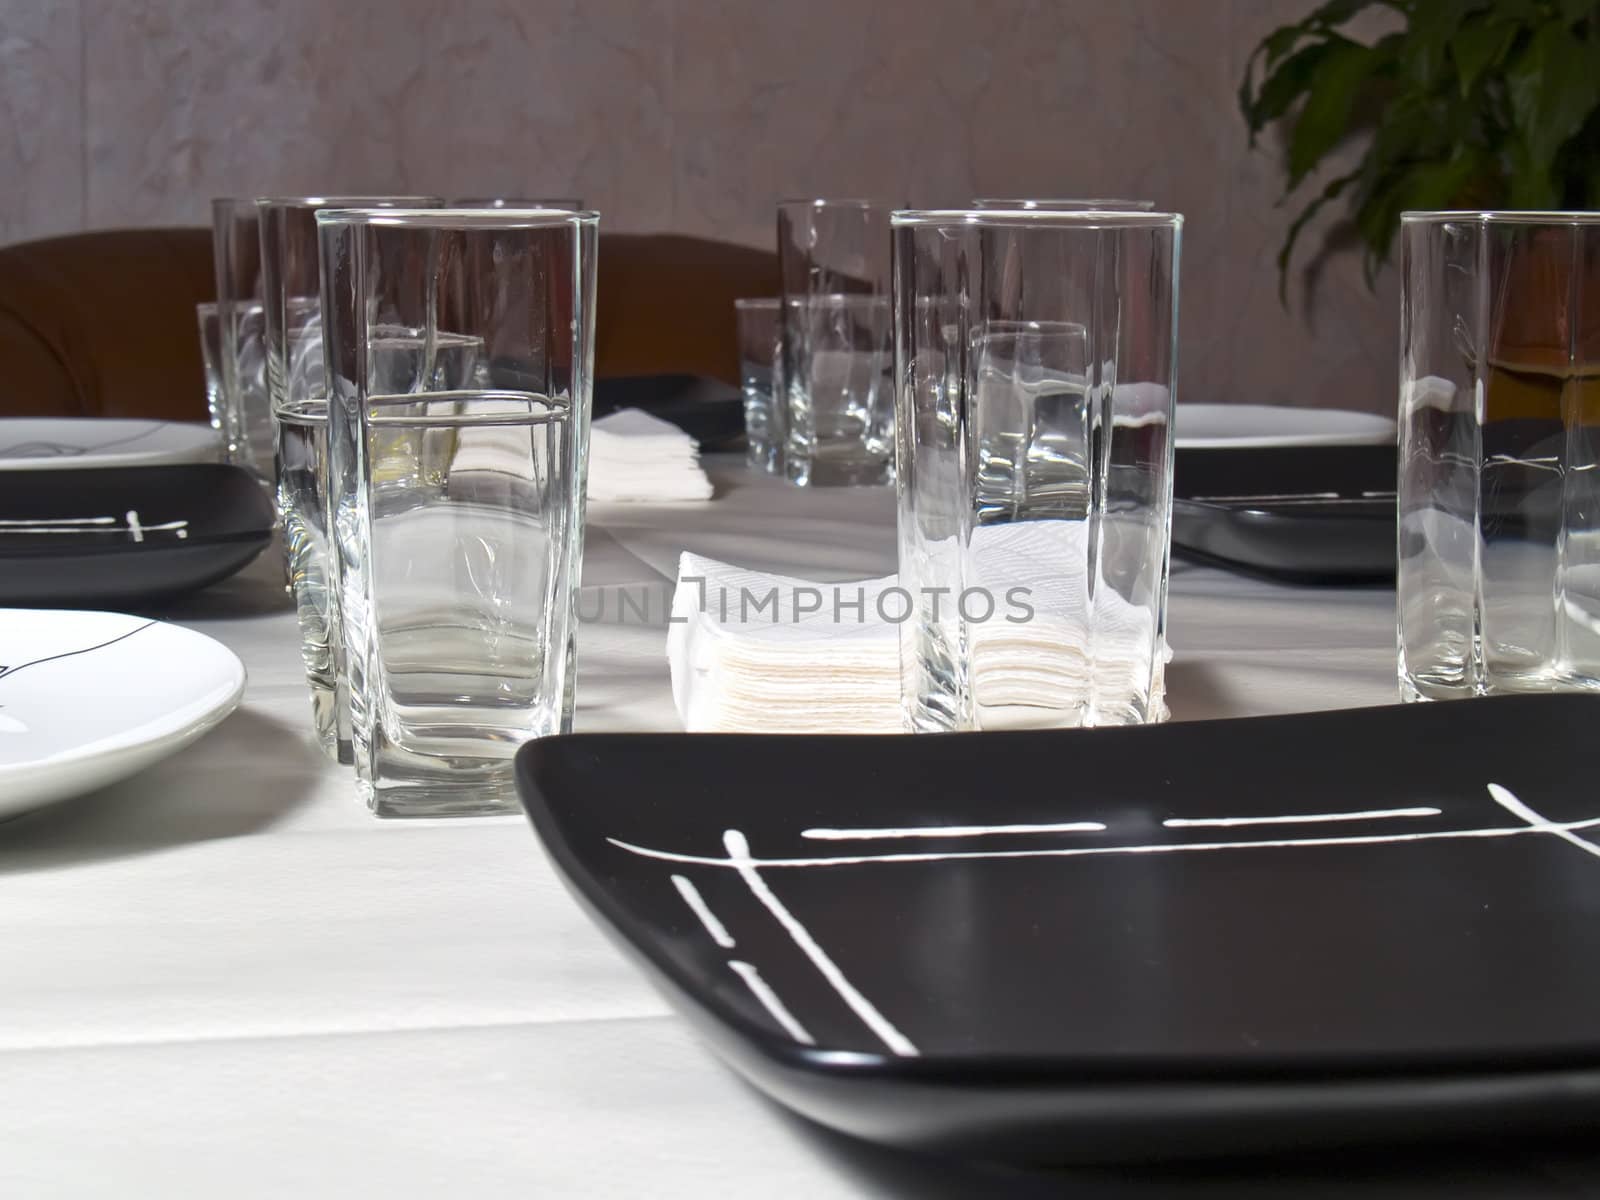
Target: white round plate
(59,443)
(1238,426)
(88,698)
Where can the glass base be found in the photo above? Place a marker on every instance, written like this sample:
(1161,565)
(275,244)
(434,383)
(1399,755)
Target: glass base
(764,458)
(399,783)
(477,797)
(332,734)
(1421,689)
(837,472)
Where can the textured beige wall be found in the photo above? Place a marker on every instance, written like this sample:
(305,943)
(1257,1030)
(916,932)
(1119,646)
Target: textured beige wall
(694,115)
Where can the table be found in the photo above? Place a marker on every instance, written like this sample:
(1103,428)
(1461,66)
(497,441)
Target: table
(224,978)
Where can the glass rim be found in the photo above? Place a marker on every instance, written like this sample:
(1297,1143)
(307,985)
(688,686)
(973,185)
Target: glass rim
(1079,218)
(456,218)
(757,301)
(1510,216)
(539,409)
(335,200)
(514,201)
(312,410)
(1087,204)
(861,299)
(836,202)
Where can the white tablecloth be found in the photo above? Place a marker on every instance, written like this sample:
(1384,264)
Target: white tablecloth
(224,978)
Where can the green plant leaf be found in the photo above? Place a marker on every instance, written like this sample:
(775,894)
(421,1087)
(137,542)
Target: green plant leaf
(1478,46)
(1573,11)
(1554,85)
(1280,43)
(1325,120)
(1285,85)
(1433,24)
(1486,103)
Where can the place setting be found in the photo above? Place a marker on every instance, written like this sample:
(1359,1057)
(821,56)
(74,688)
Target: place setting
(841,706)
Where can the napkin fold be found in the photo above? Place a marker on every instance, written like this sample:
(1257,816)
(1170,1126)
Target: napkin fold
(637,458)
(751,652)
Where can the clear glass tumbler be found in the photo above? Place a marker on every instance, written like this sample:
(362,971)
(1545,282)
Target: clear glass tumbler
(291,287)
(302,471)
(839,416)
(760,368)
(1498,583)
(209,321)
(291,358)
(244,408)
(1035,353)
(458,508)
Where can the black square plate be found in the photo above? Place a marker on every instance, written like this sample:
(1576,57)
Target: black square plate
(118,534)
(1301,514)
(1200,938)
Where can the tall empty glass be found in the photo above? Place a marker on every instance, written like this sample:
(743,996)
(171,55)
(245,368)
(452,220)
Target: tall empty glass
(244,410)
(292,353)
(760,369)
(834,261)
(291,287)
(1035,354)
(1498,583)
(302,475)
(209,320)
(458,501)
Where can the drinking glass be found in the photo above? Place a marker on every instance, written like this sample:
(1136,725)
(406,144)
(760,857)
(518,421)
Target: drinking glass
(244,409)
(760,365)
(839,411)
(292,367)
(1035,354)
(208,319)
(302,472)
(291,287)
(458,506)
(1067,205)
(1498,580)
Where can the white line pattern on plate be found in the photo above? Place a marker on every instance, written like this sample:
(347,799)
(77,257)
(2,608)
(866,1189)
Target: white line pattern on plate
(738,848)
(100,525)
(697,905)
(6,672)
(853,860)
(1507,800)
(770,1000)
(939,831)
(1375,814)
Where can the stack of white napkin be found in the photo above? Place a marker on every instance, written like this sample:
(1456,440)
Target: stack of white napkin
(742,663)
(757,653)
(634,457)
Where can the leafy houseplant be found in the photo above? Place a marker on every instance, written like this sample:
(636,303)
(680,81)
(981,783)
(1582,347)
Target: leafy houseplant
(1468,104)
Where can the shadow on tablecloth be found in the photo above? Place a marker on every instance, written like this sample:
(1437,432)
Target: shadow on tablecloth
(1526,1171)
(182,800)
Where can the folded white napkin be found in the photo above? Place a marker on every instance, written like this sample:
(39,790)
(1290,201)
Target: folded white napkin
(757,653)
(636,457)
(736,669)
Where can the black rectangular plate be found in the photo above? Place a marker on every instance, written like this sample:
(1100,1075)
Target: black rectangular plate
(224,515)
(1237,508)
(1233,963)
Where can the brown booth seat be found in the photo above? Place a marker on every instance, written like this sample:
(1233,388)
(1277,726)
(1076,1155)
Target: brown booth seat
(103,323)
